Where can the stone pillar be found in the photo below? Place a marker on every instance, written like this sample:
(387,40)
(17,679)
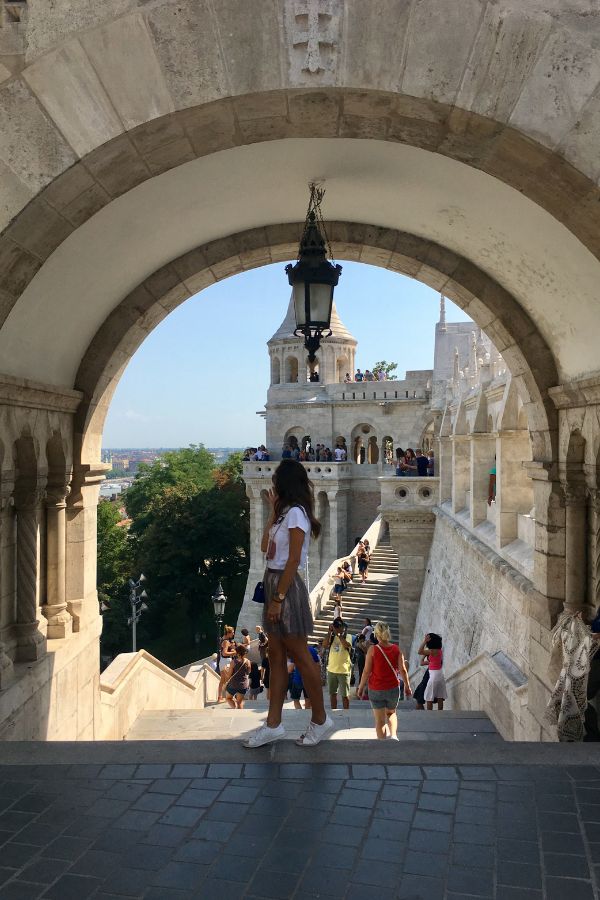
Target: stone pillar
(513,487)
(31,642)
(6,665)
(338,523)
(482,460)
(593,593)
(461,466)
(443,468)
(411,534)
(81,519)
(549,551)
(60,622)
(576,548)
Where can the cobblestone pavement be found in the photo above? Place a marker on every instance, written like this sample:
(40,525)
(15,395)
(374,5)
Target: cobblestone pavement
(266,830)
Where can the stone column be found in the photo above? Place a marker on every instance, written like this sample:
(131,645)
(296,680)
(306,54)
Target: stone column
(81,518)
(549,551)
(593,593)
(576,548)
(482,459)
(60,622)
(411,534)
(513,487)
(31,642)
(461,464)
(443,468)
(6,665)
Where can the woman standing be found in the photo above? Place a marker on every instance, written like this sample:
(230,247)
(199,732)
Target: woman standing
(227,655)
(433,656)
(239,679)
(287,616)
(385,664)
(363,561)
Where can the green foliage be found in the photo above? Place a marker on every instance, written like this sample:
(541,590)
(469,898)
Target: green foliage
(115,561)
(185,471)
(190,530)
(387,367)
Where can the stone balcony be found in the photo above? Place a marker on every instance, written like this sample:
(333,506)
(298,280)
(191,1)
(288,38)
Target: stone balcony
(403,493)
(317,471)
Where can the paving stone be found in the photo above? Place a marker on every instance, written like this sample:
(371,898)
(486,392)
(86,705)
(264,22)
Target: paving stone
(324,802)
(118,772)
(405,793)
(369,772)
(21,890)
(126,790)
(477,856)
(166,835)
(389,829)
(399,812)
(185,816)
(440,773)
(128,882)
(552,821)
(465,880)
(362,799)
(477,773)
(387,876)
(449,788)
(358,817)
(173,786)
(270,884)
(503,892)
(15,821)
(97,862)
(158,770)
(16,855)
(293,860)
(108,841)
(108,809)
(335,855)
(404,773)
(33,803)
(379,849)
(147,856)
(197,798)
(429,841)
(331,883)
(413,886)
(417,863)
(224,812)
(226,770)
(136,820)
(287,789)
(214,831)
(518,851)
(72,887)
(432,821)
(5,874)
(153,802)
(237,795)
(520,874)
(566,889)
(437,803)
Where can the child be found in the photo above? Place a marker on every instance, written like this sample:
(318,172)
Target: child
(432,656)
(255,687)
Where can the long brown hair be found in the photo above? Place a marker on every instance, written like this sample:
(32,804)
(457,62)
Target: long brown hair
(292,488)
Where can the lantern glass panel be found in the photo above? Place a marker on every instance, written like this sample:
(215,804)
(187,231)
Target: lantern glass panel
(321,296)
(219,605)
(299,304)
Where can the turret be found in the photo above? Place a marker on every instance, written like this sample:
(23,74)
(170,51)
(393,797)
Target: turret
(289,358)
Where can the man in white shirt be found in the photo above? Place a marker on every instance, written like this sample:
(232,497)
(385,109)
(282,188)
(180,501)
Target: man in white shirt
(339,454)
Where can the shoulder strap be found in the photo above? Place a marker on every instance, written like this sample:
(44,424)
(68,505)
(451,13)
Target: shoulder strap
(385,656)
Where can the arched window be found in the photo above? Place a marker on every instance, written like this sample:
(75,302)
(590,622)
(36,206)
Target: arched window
(387,448)
(275,370)
(291,370)
(373,450)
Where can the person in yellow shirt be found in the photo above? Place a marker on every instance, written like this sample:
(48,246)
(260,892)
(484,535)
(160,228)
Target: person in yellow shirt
(339,665)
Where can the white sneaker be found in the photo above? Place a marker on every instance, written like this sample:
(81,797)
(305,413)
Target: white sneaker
(394,737)
(315,733)
(264,735)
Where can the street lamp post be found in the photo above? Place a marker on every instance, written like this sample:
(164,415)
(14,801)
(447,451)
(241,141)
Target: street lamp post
(137,598)
(313,279)
(219,600)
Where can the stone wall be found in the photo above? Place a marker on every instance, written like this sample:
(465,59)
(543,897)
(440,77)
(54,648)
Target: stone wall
(364,505)
(483,609)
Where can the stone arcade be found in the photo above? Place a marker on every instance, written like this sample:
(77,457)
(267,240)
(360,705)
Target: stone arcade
(148,149)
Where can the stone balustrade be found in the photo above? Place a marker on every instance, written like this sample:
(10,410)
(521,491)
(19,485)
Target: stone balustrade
(402,493)
(316,470)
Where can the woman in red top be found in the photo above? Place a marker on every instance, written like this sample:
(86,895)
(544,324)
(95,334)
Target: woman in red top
(384,665)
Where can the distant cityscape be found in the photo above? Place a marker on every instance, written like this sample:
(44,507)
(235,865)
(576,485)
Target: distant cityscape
(125,463)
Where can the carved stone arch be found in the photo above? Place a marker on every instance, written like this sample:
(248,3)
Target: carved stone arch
(291,370)
(275,369)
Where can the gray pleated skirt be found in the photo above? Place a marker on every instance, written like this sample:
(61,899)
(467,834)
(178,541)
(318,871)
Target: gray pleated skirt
(296,617)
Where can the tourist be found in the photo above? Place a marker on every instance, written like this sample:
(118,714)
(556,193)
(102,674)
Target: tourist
(239,679)
(265,672)
(286,453)
(339,663)
(361,647)
(287,615)
(410,466)
(339,585)
(297,689)
(399,461)
(492,484)
(367,547)
(359,375)
(430,463)
(369,376)
(310,455)
(227,655)
(347,378)
(295,452)
(245,637)
(382,375)
(384,667)
(339,454)
(367,631)
(363,562)
(422,463)
(323,454)
(433,657)
(255,686)
(347,572)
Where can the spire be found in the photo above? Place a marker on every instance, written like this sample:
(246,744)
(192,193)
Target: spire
(442,313)
(456,368)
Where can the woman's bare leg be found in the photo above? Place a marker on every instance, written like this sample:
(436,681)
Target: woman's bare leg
(239,701)
(278,679)
(392,721)
(311,676)
(380,719)
(230,701)
(430,704)
(440,704)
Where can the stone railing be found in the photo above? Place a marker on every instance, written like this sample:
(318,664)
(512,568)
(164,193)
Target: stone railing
(136,682)
(320,593)
(400,492)
(316,470)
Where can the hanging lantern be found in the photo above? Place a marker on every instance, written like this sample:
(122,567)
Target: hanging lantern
(313,278)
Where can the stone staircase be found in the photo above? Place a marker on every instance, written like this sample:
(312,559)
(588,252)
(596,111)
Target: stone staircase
(220,722)
(377,598)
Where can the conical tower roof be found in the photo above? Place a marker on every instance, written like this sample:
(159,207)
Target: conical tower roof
(285,332)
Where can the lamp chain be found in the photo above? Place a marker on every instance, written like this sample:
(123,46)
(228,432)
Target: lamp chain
(314,205)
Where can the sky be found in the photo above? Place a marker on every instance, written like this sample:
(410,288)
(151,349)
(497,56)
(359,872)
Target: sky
(203,373)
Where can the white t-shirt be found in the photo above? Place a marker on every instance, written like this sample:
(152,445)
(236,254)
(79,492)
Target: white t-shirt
(339,454)
(294,518)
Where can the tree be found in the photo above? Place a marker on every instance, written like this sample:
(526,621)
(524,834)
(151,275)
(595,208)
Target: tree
(384,366)
(188,471)
(115,562)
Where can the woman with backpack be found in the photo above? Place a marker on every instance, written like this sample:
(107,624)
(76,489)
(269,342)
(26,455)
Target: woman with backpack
(385,666)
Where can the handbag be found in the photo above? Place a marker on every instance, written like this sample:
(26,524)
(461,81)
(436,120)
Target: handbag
(259,593)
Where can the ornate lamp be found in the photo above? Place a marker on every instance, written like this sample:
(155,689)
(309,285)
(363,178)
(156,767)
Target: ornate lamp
(313,278)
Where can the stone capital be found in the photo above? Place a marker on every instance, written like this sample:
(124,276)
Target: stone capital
(56,495)
(29,496)
(576,494)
